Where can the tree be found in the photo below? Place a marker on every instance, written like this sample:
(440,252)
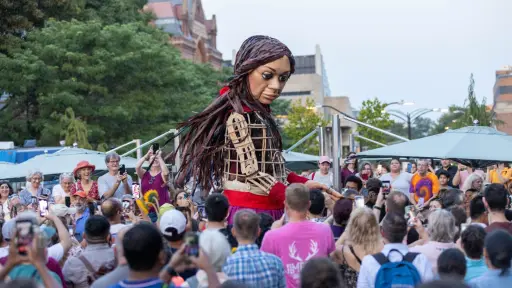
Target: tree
(372,113)
(475,111)
(18,17)
(124,80)
(280,107)
(421,127)
(301,121)
(75,130)
(470,113)
(448,119)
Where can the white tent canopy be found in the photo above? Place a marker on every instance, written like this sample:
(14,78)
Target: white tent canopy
(59,162)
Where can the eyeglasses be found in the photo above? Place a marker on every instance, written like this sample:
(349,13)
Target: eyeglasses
(151,180)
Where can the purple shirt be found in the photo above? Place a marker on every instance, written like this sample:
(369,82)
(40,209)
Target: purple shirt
(345,173)
(155,183)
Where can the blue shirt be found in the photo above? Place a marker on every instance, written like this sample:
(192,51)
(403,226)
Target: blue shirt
(148,283)
(475,268)
(492,278)
(26,196)
(255,268)
(25,271)
(80,225)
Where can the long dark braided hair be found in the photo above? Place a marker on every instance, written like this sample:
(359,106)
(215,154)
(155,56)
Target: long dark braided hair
(203,134)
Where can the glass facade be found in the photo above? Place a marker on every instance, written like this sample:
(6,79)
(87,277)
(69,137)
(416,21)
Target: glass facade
(305,64)
(296,93)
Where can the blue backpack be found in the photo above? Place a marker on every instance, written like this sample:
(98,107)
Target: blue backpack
(400,274)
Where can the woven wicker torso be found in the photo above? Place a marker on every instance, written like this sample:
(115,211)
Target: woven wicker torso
(248,137)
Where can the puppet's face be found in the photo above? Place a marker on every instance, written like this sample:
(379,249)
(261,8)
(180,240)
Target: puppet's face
(267,81)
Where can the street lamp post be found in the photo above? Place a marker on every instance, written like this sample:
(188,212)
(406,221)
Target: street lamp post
(409,118)
(351,119)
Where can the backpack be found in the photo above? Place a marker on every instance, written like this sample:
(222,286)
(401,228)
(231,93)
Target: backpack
(93,275)
(400,274)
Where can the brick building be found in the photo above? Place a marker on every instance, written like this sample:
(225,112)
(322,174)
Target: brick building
(502,106)
(193,34)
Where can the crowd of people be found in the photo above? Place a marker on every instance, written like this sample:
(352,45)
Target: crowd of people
(387,229)
(247,221)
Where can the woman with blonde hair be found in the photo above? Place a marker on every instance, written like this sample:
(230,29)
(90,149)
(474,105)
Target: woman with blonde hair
(474,181)
(362,238)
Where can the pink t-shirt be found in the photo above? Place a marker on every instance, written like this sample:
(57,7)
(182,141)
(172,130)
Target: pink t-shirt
(295,244)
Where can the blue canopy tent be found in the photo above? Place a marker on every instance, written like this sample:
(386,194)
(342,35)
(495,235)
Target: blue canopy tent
(299,161)
(476,146)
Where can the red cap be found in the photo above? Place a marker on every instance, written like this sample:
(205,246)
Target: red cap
(81,194)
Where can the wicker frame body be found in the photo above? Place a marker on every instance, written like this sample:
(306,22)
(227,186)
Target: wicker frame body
(252,161)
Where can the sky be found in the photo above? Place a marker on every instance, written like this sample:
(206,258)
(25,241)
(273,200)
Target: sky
(421,51)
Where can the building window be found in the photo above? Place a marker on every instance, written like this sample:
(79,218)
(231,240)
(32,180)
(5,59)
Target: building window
(296,93)
(505,90)
(305,64)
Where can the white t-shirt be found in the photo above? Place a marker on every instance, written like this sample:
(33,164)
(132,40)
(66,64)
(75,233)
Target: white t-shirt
(401,183)
(56,252)
(57,191)
(4,251)
(114,229)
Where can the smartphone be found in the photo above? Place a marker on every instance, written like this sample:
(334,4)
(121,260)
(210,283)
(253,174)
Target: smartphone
(192,244)
(43,207)
(70,230)
(155,147)
(359,200)
(136,190)
(67,200)
(24,235)
(33,199)
(463,227)
(126,206)
(386,186)
(202,212)
(122,169)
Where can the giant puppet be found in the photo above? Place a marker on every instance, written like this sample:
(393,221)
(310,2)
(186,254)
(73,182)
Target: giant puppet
(236,141)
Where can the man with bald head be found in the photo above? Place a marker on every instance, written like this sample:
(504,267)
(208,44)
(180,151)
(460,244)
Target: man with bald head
(122,269)
(112,209)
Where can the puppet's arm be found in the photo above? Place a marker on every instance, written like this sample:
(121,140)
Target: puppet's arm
(238,132)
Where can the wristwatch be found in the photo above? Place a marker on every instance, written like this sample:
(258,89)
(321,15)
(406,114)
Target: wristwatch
(171,271)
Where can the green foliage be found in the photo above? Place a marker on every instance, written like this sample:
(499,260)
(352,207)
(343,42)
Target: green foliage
(448,119)
(74,129)
(280,107)
(301,121)
(372,113)
(421,127)
(17,17)
(124,80)
(466,115)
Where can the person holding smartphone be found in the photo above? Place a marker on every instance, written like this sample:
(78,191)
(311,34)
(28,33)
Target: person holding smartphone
(83,172)
(154,178)
(398,180)
(116,182)
(366,172)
